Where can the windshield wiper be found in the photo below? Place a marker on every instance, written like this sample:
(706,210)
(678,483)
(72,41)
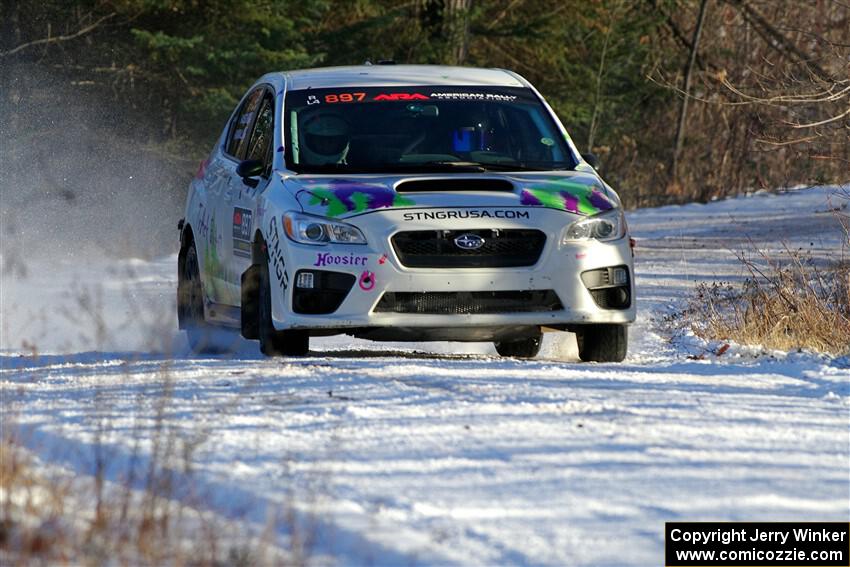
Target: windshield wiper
(424,167)
(480,166)
(445,165)
(503,166)
(419,167)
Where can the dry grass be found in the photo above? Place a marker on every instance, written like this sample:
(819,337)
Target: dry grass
(786,304)
(145,508)
(29,509)
(140,504)
(49,515)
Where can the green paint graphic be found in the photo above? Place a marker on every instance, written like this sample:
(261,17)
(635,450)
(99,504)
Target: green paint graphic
(339,201)
(325,197)
(361,202)
(399,201)
(549,198)
(557,192)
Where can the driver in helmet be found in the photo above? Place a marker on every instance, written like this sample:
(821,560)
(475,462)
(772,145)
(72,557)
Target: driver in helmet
(325,139)
(476,135)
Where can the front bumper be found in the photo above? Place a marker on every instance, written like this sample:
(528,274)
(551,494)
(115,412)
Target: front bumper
(377,270)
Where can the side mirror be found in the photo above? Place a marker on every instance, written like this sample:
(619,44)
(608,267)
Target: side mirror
(249,169)
(591,159)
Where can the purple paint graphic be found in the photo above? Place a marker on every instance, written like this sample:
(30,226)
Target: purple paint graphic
(570,202)
(567,195)
(526,198)
(342,196)
(600,201)
(379,195)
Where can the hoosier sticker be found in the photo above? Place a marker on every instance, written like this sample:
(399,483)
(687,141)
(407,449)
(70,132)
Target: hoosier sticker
(329,259)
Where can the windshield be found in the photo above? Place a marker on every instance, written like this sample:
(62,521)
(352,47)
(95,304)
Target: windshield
(421,129)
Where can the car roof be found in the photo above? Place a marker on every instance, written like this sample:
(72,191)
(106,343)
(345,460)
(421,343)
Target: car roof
(400,75)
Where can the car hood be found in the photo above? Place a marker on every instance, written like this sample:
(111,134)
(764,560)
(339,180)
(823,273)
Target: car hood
(337,197)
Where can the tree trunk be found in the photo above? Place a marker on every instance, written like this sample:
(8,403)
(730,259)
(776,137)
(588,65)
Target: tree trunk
(686,93)
(448,22)
(9,88)
(776,40)
(597,98)
(457,30)
(11,29)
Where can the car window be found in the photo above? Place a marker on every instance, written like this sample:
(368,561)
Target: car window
(261,137)
(238,137)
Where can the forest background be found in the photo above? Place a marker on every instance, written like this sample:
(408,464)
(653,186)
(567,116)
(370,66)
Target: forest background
(107,106)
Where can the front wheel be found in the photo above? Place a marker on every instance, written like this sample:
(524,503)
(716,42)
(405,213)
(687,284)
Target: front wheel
(272,341)
(602,343)
(524,348)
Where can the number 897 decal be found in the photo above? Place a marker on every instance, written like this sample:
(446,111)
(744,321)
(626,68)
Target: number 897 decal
(344,97)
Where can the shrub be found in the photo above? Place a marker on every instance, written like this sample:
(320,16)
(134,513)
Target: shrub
(788,304)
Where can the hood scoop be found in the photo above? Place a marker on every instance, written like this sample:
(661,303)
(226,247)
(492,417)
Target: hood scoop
(454,185)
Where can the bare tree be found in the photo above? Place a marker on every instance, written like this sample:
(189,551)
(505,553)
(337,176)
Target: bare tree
(614,16)
(686,90)
(54,38)
(457,32)
(810,94)
(448,20)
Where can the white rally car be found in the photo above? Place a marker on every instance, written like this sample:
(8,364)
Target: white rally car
(396,202)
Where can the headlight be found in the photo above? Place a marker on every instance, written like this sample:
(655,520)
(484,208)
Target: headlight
(609,225)
(308,229)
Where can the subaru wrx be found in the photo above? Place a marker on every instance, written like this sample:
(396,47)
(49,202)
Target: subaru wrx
(403,202)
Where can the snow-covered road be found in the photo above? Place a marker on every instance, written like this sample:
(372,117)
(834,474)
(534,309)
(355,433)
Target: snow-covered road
(399,454)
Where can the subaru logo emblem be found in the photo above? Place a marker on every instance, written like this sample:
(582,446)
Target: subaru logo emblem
(469,241)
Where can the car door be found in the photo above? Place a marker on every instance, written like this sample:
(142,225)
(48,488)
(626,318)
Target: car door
(241,198)
(219,256)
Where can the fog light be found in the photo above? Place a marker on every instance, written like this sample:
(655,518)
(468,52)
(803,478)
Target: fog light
(619,276)
(318,292)
(304,280)
(609,287)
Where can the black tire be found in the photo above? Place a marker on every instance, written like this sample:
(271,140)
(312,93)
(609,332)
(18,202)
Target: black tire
(190,302)
(272,341)
(602,343)
(524,348)
(249,309)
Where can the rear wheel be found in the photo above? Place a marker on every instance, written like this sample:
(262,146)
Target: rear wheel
(190,302)
(602,343)
(272,341)
(524,348)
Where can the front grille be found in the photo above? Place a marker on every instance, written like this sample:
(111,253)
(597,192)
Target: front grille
(469,302)
(503,248)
